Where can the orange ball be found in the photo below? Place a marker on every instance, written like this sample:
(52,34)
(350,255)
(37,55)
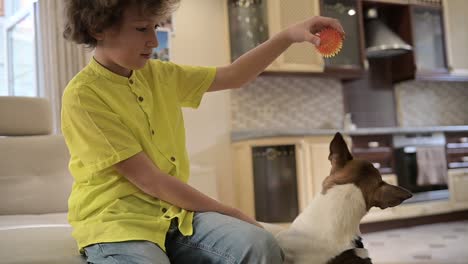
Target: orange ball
(331,42)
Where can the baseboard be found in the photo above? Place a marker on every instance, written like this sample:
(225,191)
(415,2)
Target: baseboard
(408,222)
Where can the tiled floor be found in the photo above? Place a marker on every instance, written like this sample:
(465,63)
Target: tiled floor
(444,243)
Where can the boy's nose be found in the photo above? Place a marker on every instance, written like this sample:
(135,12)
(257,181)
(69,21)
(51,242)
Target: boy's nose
(152,44)
(153,41)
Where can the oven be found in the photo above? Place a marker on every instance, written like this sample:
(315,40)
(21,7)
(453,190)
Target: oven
(406,147)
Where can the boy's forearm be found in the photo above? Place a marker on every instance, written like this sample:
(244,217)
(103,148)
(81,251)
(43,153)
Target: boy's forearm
(174,191)
(142,172)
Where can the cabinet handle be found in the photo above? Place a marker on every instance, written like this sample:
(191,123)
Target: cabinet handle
(464,158)
(373,144)
(376,165)
(464,140)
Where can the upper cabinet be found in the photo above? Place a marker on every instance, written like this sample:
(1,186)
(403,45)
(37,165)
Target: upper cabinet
(456,35)
(433,33)
(300,57)
(428,39)
(252,22)
(350,59)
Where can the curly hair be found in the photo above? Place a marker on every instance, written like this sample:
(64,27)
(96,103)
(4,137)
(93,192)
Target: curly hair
(85,17)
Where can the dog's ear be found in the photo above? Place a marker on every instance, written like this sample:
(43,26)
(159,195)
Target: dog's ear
(387,195)
(339,153)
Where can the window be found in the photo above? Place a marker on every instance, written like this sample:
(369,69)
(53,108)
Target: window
(18,49)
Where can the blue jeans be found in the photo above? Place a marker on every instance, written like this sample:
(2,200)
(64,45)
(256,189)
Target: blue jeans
(216,239)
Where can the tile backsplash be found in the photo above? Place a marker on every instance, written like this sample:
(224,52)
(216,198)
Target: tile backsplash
(274,102)
(424,103)
(279,102)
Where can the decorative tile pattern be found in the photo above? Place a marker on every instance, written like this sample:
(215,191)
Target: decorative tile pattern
(278,102)
(431,103)
(272,102)
(444,243)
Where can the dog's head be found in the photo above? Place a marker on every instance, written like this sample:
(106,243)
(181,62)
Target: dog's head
(364,175)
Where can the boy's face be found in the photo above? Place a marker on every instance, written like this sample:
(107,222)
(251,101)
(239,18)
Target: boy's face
(127,46)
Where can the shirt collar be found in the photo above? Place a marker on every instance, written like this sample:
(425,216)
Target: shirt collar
(103,71)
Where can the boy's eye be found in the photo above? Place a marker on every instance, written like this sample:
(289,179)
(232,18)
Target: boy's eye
(143,29)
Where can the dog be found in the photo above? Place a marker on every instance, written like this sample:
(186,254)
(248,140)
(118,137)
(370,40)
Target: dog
(327,231)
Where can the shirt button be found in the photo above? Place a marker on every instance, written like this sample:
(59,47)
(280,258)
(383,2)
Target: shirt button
(130,81)
(164,210)
(140,99)
(152,132)
(172,159)
(167,217)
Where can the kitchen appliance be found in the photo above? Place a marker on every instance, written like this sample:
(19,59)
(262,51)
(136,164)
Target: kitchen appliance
(275,183)
(406,166)
(382,41)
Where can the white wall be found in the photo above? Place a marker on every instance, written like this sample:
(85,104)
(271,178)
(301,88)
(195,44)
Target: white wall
(201,38)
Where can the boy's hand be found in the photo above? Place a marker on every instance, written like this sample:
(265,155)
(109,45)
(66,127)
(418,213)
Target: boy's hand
(236,213)
(306,30)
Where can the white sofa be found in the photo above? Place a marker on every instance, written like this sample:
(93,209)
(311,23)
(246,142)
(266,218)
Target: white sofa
(34,186)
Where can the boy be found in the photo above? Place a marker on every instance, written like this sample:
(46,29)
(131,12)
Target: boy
(123,125)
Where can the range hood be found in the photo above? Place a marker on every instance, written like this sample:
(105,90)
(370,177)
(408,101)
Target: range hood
(381,41)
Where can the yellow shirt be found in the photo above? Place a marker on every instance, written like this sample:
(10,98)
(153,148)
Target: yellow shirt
(107,118)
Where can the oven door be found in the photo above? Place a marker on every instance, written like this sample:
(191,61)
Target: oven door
(406,168)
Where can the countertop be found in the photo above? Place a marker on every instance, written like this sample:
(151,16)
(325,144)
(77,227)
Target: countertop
(300,132)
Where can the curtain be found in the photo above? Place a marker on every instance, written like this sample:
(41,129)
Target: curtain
(58,59)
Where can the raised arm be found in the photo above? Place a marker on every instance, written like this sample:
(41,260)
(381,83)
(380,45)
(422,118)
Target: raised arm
(144,174)
(252,63)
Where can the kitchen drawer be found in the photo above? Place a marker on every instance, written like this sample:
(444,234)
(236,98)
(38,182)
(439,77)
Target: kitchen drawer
(376,149)
(457,140)
(372,143)
(457,149)
(457,158)
(382,160)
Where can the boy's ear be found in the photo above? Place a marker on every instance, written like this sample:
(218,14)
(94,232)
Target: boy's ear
(387,195)
(339,153)
(97,35)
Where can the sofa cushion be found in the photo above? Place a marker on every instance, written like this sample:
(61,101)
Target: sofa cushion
(46,244)
(21,116)
(34,176)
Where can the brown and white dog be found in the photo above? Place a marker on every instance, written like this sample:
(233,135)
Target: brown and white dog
(328,229)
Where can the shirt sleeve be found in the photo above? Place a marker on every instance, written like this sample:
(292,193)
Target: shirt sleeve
(93,132)
(191,82)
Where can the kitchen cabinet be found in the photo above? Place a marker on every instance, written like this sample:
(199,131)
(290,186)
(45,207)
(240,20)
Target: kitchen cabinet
(458,184)
(312,166)
(456,35)
(428,39)
(253,21)
(377,149)
(434,29)
(457,149)
(351,58)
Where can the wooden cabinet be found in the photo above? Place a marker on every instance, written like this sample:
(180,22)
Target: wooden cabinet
(457,150)
(377,149)
(458,184)
(456,35)
(312,166)
(350,60)
(253,21)
(248,25)
(428,39)
(300,57)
